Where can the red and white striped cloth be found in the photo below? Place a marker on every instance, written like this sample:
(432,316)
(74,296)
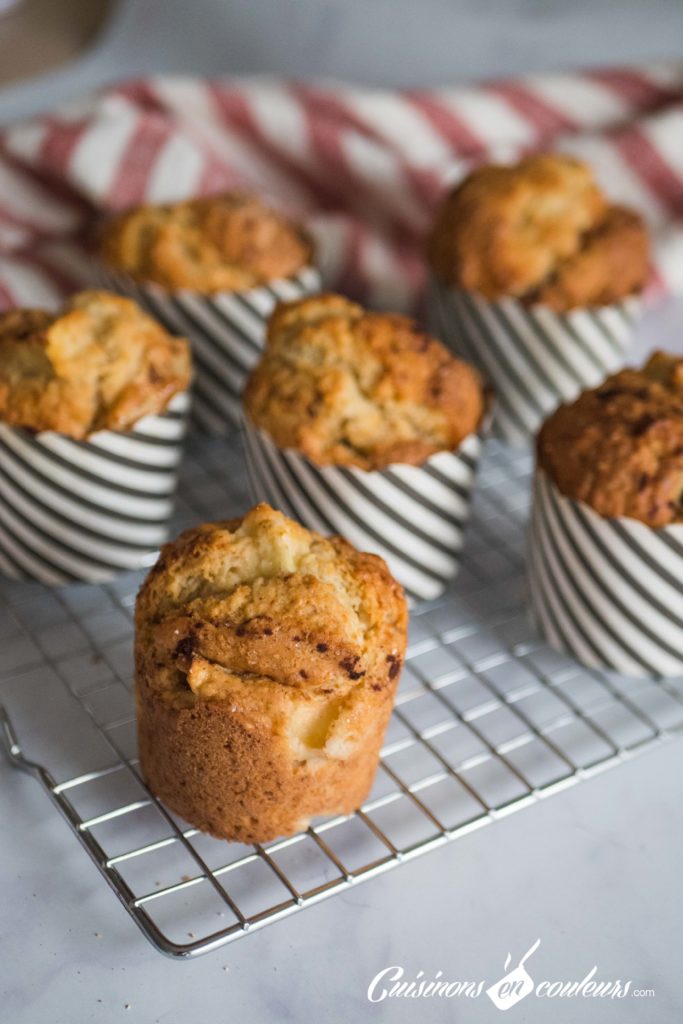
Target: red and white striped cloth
(364,167)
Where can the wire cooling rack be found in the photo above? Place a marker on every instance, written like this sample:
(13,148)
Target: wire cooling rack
(488,719)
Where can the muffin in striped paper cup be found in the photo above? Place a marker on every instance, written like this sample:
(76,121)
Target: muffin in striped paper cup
(93,401)
(536,279)
(361,425)
(606,544)
(211,269)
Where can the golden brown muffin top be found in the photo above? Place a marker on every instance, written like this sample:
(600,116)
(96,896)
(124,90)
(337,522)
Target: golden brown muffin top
(619,447)
(542,231)
(262,600)
(348,387)
(98,363)
(228,242)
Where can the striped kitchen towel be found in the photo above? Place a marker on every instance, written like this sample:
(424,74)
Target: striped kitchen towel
(365,167)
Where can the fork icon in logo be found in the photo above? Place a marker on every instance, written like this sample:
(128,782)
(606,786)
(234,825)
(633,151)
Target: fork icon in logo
(515,985)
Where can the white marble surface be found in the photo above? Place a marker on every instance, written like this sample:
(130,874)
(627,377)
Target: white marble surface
(594,871)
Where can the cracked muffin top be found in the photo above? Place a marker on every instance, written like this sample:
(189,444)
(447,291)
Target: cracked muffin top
(542,231)
(619,447)
(227,242)
(348,387)
(98,363)
(262,600)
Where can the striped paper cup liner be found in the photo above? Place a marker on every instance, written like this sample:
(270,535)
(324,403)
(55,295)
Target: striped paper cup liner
(534,358)
(226,330)
(413,516)
(608,592)
(88,510)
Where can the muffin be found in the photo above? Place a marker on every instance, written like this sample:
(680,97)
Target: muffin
(361,424)
(535,277)
(224,243)
(267,659)
(606,575)
(211,268)
(92,402)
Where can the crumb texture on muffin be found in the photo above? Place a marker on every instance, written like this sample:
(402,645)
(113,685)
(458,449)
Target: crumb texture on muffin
(226,242)
(267,658)
(98,363)
(348,387)
(542,231)
(619,447)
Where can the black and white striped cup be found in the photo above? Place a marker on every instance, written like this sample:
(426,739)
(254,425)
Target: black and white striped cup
(226,330)
(534,358)
(413,516)
(88,510)
(608,592)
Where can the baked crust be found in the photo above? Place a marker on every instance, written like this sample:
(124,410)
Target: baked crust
(267,659)
(619,447)
(541,231)
(97,363)
(348,387)
(227,242)
(611,264)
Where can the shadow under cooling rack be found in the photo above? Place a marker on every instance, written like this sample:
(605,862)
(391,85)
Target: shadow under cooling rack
(487,720)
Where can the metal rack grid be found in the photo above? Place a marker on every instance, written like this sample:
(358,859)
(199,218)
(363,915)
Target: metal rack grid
(487,720)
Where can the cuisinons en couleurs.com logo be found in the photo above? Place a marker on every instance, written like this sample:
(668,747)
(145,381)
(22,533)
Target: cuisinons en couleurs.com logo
(516,984)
